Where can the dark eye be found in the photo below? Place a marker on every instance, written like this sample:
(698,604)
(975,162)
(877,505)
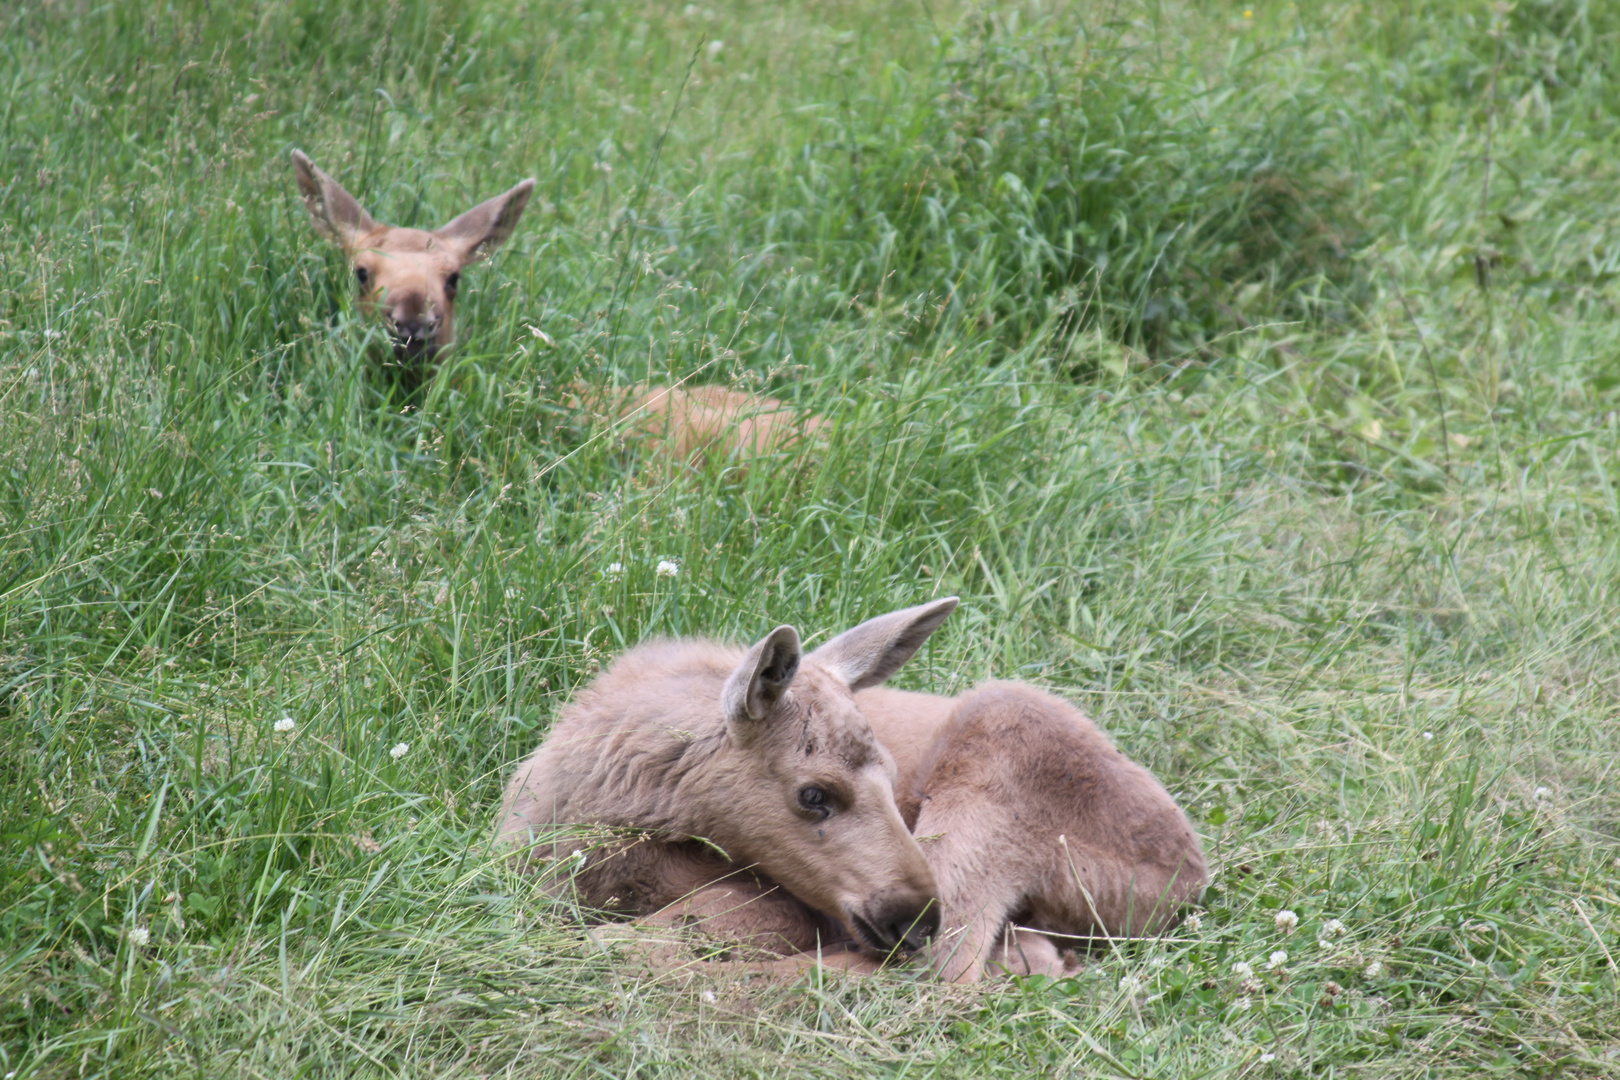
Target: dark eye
(813,800)
(363,276)
(450,284)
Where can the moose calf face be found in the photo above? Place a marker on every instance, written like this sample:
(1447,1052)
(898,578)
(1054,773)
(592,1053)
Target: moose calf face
(817,812)
(408,276)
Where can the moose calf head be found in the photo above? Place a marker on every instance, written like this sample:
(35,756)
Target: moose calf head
(805,792)
(409,275)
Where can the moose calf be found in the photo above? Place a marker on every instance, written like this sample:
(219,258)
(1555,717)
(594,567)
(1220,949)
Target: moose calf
(834,808)
(410,277)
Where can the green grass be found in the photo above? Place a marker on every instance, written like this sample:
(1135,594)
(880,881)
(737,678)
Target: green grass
(1253,374)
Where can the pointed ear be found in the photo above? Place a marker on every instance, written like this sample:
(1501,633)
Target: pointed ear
(486,226)
(762,678)
(338,215)
(876,649)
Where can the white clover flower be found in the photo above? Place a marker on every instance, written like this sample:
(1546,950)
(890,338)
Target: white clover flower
(1193,923)
(667,568)
(714,48)
(1333,928)
(615,570)
(1130,985)
(1243,969)
(1278,959)
(1268,1056)
(138,936)
(1242,1004)
(1250,986)
(1287,921)
(1375,971)
(708,997)
(285,724)
(1428,736)
(399,750)
(1543,793)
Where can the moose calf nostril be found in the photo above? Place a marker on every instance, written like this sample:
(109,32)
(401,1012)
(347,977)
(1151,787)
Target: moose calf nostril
(905,926)
(916,932)
(413,330)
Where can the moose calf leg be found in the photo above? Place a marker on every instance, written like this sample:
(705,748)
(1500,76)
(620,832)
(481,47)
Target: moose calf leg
(758,917)
(1030,813)
(1026,952)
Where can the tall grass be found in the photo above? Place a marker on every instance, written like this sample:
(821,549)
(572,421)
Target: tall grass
(1250,372)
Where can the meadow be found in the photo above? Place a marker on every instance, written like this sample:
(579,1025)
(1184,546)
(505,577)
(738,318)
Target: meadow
(1251,372)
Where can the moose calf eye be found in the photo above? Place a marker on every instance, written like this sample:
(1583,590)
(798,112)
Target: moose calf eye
(362,275)
(450,284)
(814,800)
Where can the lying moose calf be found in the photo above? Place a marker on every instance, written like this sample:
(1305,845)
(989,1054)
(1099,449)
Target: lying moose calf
(806,781)
(409,278)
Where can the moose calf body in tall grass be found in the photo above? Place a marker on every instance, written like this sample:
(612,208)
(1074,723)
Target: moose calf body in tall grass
(1030,821)
(410,277)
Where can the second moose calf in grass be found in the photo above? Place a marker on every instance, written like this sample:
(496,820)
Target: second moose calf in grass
(410,278)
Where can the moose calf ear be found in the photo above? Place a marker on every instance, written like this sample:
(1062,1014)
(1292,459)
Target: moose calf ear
(338,215)
(762,678)
(486,226)
(876,649)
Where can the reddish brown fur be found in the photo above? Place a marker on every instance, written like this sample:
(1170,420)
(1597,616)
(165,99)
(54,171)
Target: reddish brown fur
(693,425)
(410,277)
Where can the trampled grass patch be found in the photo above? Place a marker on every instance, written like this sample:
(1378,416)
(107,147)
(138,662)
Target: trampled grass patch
(1250,371)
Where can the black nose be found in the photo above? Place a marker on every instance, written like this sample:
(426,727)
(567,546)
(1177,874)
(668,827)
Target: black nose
(414,339)
(897,924)
(415,330)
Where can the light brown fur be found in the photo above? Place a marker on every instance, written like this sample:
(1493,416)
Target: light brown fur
(766,759)
(1034,825)
(1037,831)
(410,277)
(1031,817)
(693,425)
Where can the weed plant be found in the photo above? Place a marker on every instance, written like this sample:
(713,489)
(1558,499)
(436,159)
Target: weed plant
(1250,372)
